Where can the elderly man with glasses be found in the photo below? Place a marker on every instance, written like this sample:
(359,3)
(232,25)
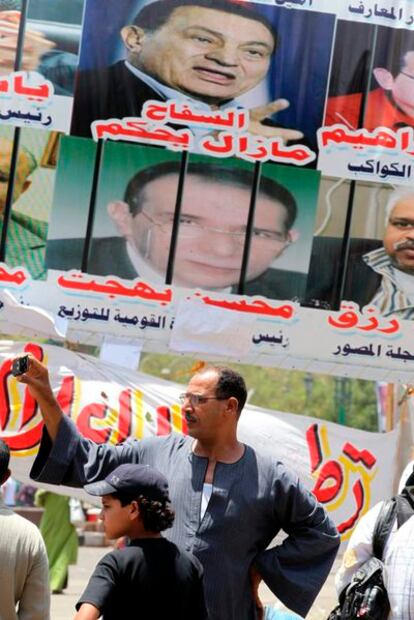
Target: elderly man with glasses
(379,273)
(230,501)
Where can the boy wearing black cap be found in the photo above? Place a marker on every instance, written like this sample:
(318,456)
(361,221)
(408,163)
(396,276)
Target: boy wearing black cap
(151,575)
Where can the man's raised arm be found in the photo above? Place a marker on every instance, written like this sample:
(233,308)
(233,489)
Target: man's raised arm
(37,380)
(65,456)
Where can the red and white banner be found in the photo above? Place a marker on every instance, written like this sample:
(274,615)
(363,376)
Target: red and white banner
(253,330)
(347,469)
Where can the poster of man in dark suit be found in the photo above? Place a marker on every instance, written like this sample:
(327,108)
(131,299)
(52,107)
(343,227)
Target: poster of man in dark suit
(213,54)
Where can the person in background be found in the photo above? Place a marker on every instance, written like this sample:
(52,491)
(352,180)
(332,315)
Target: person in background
(398,555)
(151,572)
(60,536)
(24,587)
(25,495)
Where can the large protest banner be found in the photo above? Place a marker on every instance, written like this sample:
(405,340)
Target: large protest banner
(347,469)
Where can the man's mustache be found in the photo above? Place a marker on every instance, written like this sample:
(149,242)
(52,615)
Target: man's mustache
(406,244)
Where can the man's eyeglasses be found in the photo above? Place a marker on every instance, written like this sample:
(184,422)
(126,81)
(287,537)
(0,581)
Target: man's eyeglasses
(198,399)
(402,224)
(190,229)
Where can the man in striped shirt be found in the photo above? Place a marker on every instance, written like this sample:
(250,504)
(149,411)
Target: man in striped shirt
(379,274)
(398,556)
(394,262)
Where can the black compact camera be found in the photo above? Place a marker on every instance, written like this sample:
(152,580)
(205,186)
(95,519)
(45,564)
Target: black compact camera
(20,365)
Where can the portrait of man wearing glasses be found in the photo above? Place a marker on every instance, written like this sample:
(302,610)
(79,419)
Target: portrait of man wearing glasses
(211,235)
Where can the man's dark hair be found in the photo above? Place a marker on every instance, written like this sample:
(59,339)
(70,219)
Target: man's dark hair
(4,460)
(154,15)
(156,516)
(239,177)
(394,63)
(229,383)
(403,62)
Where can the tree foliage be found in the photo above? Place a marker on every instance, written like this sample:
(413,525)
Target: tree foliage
(349,401)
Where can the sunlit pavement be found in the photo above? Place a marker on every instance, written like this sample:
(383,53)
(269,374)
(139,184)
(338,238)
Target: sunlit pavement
(63,605)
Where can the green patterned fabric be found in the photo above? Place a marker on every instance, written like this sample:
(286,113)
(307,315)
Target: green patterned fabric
(26,244)
(60,536)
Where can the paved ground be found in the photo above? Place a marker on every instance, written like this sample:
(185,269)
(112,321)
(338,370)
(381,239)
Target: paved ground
(63,605)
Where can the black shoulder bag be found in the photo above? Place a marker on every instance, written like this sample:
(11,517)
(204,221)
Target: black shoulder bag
(365,596)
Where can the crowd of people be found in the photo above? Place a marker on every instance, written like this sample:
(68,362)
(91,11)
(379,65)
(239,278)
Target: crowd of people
(199,514)
(218,503)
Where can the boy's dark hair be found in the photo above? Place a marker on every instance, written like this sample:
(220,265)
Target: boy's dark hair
(156,516)
(4,460)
